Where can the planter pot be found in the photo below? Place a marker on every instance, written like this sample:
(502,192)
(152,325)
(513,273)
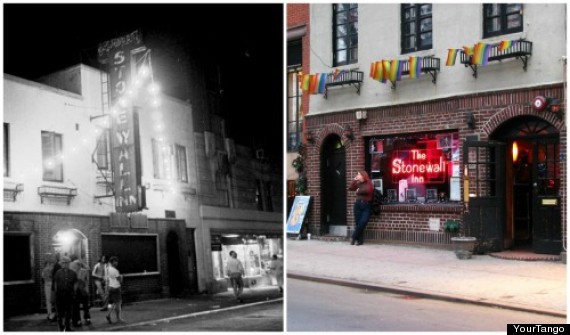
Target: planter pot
(463,246)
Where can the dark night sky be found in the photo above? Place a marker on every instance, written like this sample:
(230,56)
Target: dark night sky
(246,40)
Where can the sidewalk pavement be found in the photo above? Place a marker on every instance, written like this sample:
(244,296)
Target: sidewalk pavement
(155,311)
(537,287)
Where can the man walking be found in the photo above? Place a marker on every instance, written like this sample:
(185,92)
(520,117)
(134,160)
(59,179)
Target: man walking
(65,284)
(235,270)
(114,280)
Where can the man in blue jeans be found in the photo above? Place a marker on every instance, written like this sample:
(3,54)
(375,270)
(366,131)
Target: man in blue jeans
(364,193)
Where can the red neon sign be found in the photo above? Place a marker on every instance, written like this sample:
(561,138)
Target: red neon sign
(419,166)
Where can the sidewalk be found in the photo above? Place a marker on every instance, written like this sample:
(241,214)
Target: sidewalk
(538,287)
(155,311)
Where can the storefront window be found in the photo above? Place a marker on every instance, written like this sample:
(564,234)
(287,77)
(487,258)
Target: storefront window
(254,252)
(412,168)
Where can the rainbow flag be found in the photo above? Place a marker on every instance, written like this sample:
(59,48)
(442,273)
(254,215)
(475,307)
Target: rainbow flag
(313,84)
(395,70)
(337,73)
(385,70)
(451,56)
(468,50)
(481,53)
(322,83)
(380,72)
(306,82)
(504,45)
(415,66)
(372,70)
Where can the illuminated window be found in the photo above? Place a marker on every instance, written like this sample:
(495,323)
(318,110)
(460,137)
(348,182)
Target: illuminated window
(6,150)
(427,163)
(501,19)
(345,34)
(103,152)
(169,161)
(416,27)
(52,156)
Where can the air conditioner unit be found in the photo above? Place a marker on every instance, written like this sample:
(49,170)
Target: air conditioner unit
(259,154)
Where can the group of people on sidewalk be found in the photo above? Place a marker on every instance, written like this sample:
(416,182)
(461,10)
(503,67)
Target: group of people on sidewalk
(66,285)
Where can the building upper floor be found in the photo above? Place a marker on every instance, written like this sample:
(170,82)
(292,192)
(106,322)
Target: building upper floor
(355,37)
(58,153)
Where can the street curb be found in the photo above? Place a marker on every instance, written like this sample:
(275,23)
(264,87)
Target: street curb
(192,314)
(423,294)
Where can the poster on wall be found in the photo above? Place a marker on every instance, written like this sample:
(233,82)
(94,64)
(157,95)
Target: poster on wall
(375,163)
(455,188)
(298,213)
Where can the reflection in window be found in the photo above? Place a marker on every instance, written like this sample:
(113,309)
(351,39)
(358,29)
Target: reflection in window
(500,19)
(345,34)
(52,156)
(416,27)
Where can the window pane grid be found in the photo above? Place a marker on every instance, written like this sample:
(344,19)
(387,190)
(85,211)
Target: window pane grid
(345,30)
(416,27)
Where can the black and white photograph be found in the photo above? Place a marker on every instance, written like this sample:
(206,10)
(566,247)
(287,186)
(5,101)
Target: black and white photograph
(143,167)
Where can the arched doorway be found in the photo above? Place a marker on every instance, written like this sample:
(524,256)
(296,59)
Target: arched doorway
(533,204)
(333,187)
(72,243)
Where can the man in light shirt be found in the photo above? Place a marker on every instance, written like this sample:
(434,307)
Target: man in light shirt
(235,270)
(114,280)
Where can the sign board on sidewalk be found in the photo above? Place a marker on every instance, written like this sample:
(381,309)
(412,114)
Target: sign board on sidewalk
(297,215)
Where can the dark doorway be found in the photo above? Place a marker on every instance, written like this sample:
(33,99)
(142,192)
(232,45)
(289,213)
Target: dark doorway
(192,267)
(333,186)
(174,271)
(533,185)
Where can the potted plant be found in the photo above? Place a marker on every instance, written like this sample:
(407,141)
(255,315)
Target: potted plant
(463,246)
(451,226)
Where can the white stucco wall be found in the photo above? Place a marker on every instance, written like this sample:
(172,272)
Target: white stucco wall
(454,25)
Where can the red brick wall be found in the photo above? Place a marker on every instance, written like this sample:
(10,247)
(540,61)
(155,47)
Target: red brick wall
(490,110)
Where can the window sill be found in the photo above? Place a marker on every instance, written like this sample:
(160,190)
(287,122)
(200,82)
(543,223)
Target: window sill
(450,207)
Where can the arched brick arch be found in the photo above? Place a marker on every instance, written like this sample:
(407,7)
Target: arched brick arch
(519,110)
(329,129)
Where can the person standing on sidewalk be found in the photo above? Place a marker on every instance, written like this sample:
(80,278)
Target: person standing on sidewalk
(99,272)
(81,293)
(65,284)
(276,268)
(235,270)
(364,193)
(114,281)
(47,279)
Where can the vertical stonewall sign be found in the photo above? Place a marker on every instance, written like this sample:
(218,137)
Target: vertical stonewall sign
(116,53)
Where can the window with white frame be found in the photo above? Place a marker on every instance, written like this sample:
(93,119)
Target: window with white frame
(52,156)
(169,161)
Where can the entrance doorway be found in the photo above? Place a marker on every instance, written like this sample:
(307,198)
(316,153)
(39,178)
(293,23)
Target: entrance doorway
(533,208)
(333,187)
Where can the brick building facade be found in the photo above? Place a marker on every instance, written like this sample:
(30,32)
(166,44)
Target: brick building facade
(440,146)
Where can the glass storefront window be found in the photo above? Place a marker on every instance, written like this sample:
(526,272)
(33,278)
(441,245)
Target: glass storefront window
(421,167)
(254,252)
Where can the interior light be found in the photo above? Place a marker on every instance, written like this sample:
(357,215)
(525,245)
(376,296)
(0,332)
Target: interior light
(515,151)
